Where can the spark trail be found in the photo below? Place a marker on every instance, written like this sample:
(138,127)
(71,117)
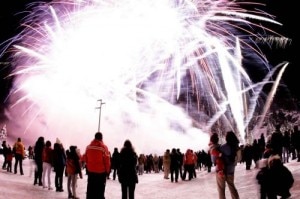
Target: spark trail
(163,68)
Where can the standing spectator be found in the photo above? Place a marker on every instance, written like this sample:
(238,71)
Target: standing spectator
(9,158)
(295,141)
(108,174)
(127,171)
(286,143)
(141,164)
(4,151)
(195,164)
(276,141)
(174,166)
(229,152)
(180,163)
(156,163)
(256,153)
(47,164)
(262,145)
(30,152)
(189,164)
(19,151)
(115,162)
(149,163)
(98,166)
(160,163)
(207,160)
(38,159)
(248,156)
(59,163)
(166,163)
(73,170)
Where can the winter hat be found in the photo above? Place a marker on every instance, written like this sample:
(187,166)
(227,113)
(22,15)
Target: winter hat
(58,141)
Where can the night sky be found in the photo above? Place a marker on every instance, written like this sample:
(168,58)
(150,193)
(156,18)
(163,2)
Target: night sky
(283,10)
(9,23)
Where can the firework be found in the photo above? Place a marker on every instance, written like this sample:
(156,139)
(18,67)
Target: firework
(169,72)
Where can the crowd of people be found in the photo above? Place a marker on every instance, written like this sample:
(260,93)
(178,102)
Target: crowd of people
(96,160)
(267,154)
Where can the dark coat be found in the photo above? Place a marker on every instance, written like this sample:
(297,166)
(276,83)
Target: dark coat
(175,160)
(280,180)
(277,179)
(127,173)
(115,160)
(38,150)
(59,157)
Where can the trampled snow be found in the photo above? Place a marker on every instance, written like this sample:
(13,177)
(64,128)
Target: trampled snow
(150,186)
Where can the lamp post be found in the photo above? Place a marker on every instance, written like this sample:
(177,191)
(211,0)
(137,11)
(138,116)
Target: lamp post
(100,106)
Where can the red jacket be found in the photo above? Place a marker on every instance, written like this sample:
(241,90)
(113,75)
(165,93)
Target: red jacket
(217,157)
(48,155)
(97,157)
(189,158)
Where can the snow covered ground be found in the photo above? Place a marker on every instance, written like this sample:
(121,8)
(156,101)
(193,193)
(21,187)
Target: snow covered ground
(151,186)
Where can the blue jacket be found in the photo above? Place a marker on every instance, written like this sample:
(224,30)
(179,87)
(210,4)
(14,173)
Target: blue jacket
(229,159)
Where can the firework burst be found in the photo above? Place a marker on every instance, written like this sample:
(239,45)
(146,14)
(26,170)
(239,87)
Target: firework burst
(165,69)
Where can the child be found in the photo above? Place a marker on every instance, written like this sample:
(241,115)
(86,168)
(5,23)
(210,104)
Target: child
(9,157)
(216,154)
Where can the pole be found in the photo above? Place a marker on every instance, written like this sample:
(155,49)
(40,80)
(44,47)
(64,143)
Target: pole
(100,106)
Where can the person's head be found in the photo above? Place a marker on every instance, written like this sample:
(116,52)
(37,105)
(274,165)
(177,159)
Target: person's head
(41,139)
(98,136)
(274,161)
(48,143)
(174,150)
(127,144)
(56,146)
(231,138)
(214,138)
(73,148)
(19,139)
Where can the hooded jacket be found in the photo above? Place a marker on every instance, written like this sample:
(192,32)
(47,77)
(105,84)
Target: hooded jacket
(97,157)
